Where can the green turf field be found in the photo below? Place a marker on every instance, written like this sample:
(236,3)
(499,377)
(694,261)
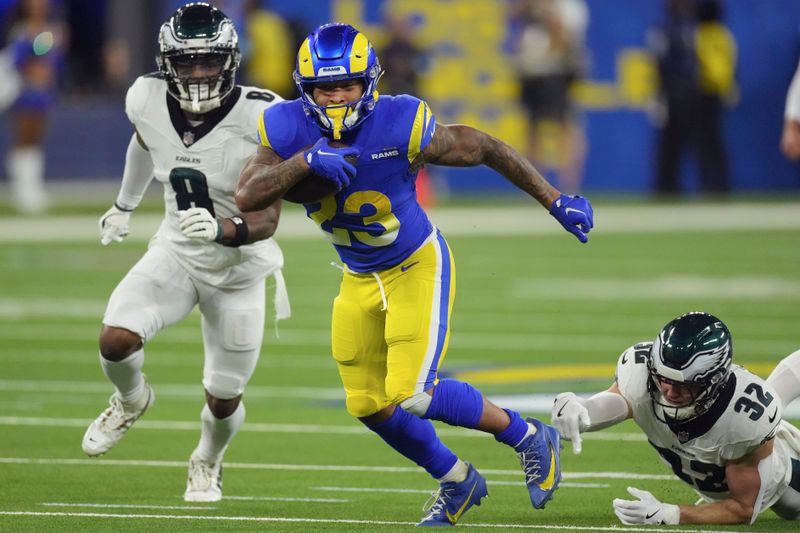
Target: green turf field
(534,314)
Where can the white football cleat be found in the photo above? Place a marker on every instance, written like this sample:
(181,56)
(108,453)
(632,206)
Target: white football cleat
(205,481)
(112,424)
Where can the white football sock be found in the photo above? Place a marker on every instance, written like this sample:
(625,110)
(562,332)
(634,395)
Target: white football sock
(531,431)
(26,178)
(126,375)
(217,433)
(457,474)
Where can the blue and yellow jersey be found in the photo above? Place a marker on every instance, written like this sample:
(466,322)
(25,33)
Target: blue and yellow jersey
(376,222)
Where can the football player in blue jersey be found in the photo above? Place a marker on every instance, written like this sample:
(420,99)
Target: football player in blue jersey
(391,319)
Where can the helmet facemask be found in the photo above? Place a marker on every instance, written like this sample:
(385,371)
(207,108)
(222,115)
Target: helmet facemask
(694,354)
(198,56)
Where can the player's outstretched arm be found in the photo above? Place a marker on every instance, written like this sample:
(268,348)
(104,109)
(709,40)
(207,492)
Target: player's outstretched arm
(743,477)
(266,177)
(136,177)
(744,483)
(456,145)
(573,415)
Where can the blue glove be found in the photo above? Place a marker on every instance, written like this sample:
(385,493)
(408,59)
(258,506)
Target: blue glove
(575,213)
(330,163)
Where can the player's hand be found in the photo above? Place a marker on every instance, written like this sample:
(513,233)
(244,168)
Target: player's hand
(570,418)
(330,163)
(199,223)
(114,225)
(646,510)
(790,140)
(575,213)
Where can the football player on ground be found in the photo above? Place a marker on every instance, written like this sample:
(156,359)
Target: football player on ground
(194,129)
(715,424)
(391,319)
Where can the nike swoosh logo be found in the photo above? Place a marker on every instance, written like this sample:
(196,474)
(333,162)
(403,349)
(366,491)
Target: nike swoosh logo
(568,210)
(406,267)
(649,516)
(624,358)
(454,517)
(320,152)
(549,481)
(772,418)
(560,410)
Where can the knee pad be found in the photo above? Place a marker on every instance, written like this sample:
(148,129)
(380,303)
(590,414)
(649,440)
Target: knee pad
(418,404)
(362,405)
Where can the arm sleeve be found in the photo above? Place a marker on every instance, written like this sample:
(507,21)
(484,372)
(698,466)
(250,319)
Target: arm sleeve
(792,111)
(136,177)
(605,409)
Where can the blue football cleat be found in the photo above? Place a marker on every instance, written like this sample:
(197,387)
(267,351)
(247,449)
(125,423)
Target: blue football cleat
(540,457)
(454,499)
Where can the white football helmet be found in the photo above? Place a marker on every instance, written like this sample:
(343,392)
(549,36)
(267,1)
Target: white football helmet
(198,56)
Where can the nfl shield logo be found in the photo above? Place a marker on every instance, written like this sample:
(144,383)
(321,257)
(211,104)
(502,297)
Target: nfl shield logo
(188,138)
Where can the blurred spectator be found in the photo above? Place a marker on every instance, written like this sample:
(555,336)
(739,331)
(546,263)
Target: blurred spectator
(268,49)
(696,56)
(790,141)
(34,41)
(550,56)
(401,61)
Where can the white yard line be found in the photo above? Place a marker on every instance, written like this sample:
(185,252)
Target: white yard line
(126,506)
(260,427)
(492,482)
(315,468)
(282,499)
(495,220)
(350,521)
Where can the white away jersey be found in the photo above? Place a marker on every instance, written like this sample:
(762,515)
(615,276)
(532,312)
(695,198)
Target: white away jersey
(199,167)
(745,415)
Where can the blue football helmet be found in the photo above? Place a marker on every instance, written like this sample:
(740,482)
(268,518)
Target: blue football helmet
(337,52)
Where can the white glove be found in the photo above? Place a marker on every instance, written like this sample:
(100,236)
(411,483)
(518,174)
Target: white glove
(114,225)
(646,510)
(199,223)
(570,418)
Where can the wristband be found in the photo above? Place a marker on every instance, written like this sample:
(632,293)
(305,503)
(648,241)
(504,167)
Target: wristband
(242,232)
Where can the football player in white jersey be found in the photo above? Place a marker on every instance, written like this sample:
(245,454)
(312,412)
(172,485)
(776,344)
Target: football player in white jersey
(194,130)
(717,426)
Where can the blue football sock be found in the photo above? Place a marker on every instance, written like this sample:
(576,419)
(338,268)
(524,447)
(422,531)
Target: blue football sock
(416,439)
(456,403)
(515,431)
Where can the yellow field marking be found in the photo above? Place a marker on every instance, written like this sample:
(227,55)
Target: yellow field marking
(528,373)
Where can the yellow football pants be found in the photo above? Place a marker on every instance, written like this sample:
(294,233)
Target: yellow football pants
(391,328)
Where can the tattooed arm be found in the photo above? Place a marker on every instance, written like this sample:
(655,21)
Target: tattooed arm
(266,177)
(456,145)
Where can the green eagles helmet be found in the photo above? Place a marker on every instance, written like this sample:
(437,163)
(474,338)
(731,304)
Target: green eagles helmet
(198,37)
(694,350)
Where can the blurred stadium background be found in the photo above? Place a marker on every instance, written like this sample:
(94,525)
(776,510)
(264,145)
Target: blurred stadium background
(468,76)
(536,313)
